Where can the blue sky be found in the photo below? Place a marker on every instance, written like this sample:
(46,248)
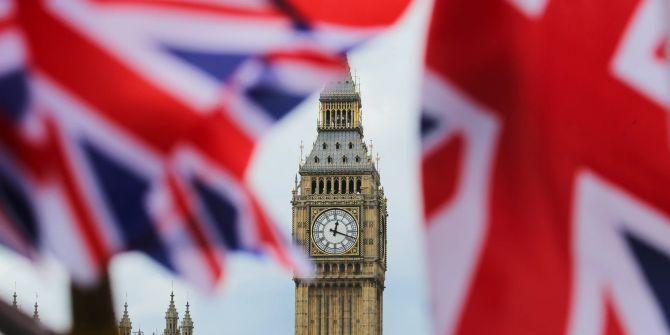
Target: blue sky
(257,296)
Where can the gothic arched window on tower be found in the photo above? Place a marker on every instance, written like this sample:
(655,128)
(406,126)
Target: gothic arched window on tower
(328,118)
(321,186)
(351,145)
(324,146)
(336,185)
(351,185)
(328,186)
(344,159)
(316,159)
(358,159)
(358,185)
(313,186)
(330,159)
(349,119)
(337,145)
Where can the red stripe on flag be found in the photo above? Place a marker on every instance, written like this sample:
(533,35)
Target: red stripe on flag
(14,237)
(35,157)
(662,50)
(364,14)
(269,236)
(209,250)
(128,99)
(441,170)
(612,323)
(261,12)
(83,217)
(46,161)
(336,62)
(7,23)
(112,88)
(219,138)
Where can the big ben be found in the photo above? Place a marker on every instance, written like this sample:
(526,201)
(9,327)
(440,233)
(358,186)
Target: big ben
(339,219)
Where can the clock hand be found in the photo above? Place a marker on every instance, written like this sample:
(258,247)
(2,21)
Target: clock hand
(341,233)
(335,231)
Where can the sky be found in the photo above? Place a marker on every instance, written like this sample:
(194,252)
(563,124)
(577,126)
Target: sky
(257,296)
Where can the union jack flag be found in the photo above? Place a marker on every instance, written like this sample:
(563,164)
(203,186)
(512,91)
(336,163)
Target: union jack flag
(546,123)
(129,124)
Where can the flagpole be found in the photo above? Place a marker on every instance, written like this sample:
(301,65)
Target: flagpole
(93,309)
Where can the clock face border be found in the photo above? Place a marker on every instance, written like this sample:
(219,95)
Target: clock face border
(315,212)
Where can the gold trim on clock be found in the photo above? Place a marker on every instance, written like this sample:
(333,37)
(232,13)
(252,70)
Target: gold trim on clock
(331,240)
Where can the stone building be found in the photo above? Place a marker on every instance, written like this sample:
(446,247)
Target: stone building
(36,313)
(172,324)
(339,219)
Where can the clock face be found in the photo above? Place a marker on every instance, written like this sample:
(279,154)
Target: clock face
(335,231)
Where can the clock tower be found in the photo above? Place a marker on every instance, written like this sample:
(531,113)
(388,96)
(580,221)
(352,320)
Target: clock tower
(339,219)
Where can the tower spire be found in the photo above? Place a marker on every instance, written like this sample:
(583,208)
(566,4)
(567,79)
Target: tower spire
(187,322)
(36,313)
(14,302)
(171,318)
(125,326)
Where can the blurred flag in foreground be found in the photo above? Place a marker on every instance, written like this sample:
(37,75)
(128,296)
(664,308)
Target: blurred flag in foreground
(129,124)
(546,166)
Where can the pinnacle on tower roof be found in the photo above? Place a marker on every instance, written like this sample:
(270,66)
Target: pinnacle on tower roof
(36,313)
(187,322)
(125,326)
(14,303)
(171,318)
(172,309)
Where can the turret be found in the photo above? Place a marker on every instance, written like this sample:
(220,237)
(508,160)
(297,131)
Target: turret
(187,322)
(125,326)
(171,318)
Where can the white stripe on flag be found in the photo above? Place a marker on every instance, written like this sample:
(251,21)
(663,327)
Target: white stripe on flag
(62,237)
(6,9)
(12,50)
